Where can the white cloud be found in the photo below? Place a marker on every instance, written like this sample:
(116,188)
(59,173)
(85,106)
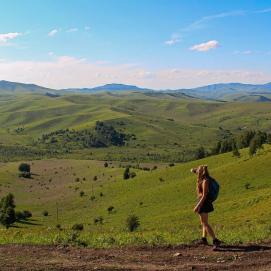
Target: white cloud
(66,71)
(52,32)
(87,28)
(74,29)
(205,46)
(175,38)
(6,37)
(51,53)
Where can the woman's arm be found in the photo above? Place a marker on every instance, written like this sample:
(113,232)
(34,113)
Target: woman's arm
(205,188)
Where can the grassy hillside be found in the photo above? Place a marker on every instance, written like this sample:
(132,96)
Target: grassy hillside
(167,127)
(163,199)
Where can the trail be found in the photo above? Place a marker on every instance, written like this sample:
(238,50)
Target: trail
(242,257)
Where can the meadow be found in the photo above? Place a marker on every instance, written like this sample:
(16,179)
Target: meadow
(168,127)
(163,199)
(78,188)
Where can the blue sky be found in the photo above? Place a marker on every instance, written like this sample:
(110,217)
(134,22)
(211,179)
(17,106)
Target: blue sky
(151,43)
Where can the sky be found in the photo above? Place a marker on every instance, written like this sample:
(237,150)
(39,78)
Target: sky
(159,44)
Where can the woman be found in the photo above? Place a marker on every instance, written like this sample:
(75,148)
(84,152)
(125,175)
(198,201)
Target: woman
(204,205)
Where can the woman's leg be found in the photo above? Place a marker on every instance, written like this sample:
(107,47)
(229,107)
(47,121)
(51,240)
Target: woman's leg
(206,228)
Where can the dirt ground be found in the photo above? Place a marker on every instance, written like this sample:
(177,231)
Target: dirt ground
(245,257)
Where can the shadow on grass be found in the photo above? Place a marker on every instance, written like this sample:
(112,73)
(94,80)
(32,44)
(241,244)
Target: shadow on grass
(27,222)
(241,248)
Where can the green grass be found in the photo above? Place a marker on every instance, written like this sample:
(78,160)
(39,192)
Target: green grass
(167,128)
(166,213)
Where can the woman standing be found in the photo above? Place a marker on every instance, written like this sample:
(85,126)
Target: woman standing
(204,205)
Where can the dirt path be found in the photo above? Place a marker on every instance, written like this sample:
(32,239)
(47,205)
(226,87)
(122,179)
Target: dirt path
(250,257)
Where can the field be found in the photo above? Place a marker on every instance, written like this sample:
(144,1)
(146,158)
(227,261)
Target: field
(163,200)
(167,127)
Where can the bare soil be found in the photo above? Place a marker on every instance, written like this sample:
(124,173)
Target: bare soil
(241,257)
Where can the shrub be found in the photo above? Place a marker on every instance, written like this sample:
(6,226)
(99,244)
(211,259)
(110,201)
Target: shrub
(132,174)
(19,216)
(27,214)
(98,220)
(95,178)
(101,194)
(105,164)
(45,213)
(92,198)
(110,209)
(58,226)
(77,227)
(132,222)
(7,210)
(171,164)
(24,167)
(82,193)
(126,174)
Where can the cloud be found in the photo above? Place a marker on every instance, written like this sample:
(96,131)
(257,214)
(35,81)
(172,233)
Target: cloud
(246,52)
(6,37)
(175,38)
(267,10)
(87,28)
(203,21)
(205,46)
(52,32)
(67,71)
(51,53)
(74,29)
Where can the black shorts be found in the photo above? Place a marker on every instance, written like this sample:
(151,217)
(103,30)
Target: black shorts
(207,207)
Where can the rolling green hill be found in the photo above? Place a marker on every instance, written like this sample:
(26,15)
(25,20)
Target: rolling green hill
(167,127)
(163,199)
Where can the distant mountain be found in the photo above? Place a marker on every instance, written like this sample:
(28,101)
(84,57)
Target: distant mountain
(222,91)
(6,86)
(107,87)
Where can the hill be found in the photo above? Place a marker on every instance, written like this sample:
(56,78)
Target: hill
(162,198)
(6,86)
(220,91)
(166,127)
(107,87)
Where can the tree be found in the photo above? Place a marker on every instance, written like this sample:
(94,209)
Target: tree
(7,211)
(25,170)
(132,222)
(126,174)
(200,153)
(235,150)
(253,147)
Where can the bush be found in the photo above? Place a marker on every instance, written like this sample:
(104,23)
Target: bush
(82,193)
(24,167)
(7,211)
(171,164)
(132,222)
(58,226)
(45,213)
(27,214)
(98,220)
(126,174)
(19,216)
(105,164)
(110,209)
(132,174)
(77,227)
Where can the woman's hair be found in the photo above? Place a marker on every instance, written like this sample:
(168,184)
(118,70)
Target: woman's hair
(202,174)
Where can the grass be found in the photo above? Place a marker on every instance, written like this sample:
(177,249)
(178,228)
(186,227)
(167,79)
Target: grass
(167,128)
(165,208)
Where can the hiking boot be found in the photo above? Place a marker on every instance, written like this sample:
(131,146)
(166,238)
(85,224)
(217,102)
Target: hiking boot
(216,243)
(203,241)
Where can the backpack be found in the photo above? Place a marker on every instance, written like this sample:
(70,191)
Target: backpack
(213,189)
